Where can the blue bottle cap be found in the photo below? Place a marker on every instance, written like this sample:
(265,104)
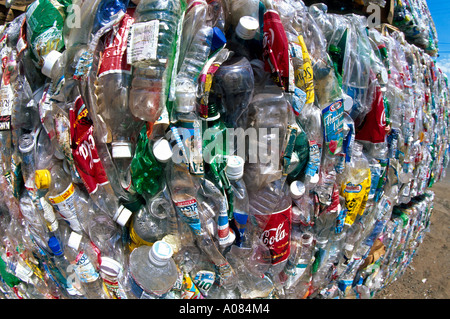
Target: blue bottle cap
(218,39)
(53,244)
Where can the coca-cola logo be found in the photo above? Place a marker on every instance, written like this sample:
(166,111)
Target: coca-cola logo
(276,235)
(383,118)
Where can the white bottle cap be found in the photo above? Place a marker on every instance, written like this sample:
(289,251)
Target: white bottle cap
(160,252)
(49,61)
(349,247)
(110,267)
(314,179)
(74,240)
(348,103)
(235,167)
(121,150)
(246,28)
(162,150)
(297,189)
(122,215)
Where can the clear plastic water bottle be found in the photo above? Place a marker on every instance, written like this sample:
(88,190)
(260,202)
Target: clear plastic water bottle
(154,220)
(83,254)
(27,149)
(296,275)
(107,237)
(112,90)
(302,205)
(73,287)
(195,17)
(268,115)
(153,270)
(152,43)
(63,194)
(184,188)
(195,57)
(232,91)
(235,172)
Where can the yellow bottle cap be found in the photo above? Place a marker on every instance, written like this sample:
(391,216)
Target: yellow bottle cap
(42,178)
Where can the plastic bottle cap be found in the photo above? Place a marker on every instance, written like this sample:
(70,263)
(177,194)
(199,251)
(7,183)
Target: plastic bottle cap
(110,266)
(160,252)
(348,103)
(122,216)
(162,150)
(235,167)
(42,178)
(349,247)
(297,189)
(218,39)
(74,240)
(314,179)
(246,28)
(53,244)
(121,150)
(49,61)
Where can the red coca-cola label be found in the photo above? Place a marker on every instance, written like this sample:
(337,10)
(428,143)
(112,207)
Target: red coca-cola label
(114,57)
(84,151)
(277,235)
(276,49)
(373,128)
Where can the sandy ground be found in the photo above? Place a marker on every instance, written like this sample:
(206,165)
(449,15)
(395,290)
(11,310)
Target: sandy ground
(427,277)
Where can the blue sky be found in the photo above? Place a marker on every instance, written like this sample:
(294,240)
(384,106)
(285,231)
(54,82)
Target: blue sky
(440,12)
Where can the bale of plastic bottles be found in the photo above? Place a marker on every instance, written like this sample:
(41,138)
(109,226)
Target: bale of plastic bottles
(224,149)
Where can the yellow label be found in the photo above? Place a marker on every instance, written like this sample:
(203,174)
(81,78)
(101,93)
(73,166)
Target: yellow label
(356,197)
(304,78)
(42,178)
(62,197)
(136,241)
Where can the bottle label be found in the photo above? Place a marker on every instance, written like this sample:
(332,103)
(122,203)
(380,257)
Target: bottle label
(276,50)
(6,91)
(190,290)
(276,235)
(204,280)
(23,272)
(333,120)
(141,293)
(84,269)
(304,78)
(240,220)
(312,167)
(143,41)
(114,58)
(84,150)
(136,240)
(64,203)
(356,197)
(112,285)
(188,211)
